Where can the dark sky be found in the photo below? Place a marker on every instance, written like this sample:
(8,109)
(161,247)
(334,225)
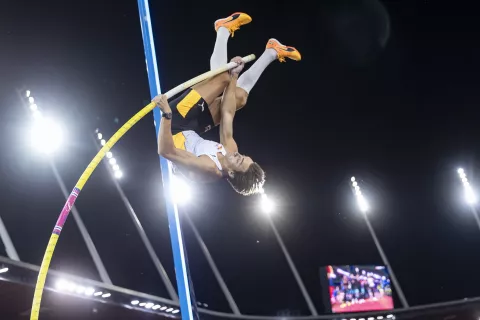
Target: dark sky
(401,119)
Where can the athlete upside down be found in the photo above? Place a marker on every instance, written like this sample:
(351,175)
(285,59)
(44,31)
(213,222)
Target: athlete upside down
(185,117)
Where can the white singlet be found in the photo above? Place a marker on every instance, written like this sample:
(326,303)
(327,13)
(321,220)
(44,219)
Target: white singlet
(199,147)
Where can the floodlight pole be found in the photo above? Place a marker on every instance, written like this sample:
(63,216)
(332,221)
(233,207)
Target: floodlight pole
(469,194)
(475,214)
(7,242)
(143,235)
(214,268)
(403,300)
(363,209)
(83,230)
(294,270)
(76,215)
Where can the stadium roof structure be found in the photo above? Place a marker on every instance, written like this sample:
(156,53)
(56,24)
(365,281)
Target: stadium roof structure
(71,297)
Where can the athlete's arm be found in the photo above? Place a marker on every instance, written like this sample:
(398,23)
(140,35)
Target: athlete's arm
(227,110)
(167,149)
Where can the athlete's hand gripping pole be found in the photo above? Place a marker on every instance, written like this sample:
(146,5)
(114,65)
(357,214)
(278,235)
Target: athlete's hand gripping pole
(42,275)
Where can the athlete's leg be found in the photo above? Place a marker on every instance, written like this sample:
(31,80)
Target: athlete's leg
(211,89)
(274,50)
(214,87)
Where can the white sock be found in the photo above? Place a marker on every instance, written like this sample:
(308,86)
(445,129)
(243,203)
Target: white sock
(250,77)
(219,56)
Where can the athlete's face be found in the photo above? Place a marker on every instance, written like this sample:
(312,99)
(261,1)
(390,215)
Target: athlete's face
(238,162)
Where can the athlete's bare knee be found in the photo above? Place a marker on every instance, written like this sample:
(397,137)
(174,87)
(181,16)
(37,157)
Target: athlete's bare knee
(241,97)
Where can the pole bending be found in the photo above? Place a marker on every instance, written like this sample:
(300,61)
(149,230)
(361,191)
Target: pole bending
(42,275)
(199,109)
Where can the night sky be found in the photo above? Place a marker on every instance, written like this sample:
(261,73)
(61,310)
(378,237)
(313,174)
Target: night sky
(400,118)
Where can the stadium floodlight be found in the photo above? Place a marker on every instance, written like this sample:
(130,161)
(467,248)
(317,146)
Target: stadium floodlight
(142,304)
(99,293)
(3,270)
(71,286)
(89,291)
(106,295)
(135,302)
(80,289)
(175,311)
(149,305)
(27,93)
(169,310)
(37,115)
(163,308)
(116,168)
(46,135)
(470,196)
(361,201)
(364,208)
(180,190)
(267,204)
(64,285)
(155,307)
(61,284)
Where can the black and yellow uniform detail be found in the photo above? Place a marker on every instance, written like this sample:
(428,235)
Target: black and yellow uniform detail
(190,112)
(188,102)
(179,141)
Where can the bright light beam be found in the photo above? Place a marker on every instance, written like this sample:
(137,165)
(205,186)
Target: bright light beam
(116,168)
(470,195)
(46,135)
(181,191)
(61,284)
(361,201)
(267,204)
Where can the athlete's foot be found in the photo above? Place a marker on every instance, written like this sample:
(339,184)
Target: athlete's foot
(283,51)
(233,22)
